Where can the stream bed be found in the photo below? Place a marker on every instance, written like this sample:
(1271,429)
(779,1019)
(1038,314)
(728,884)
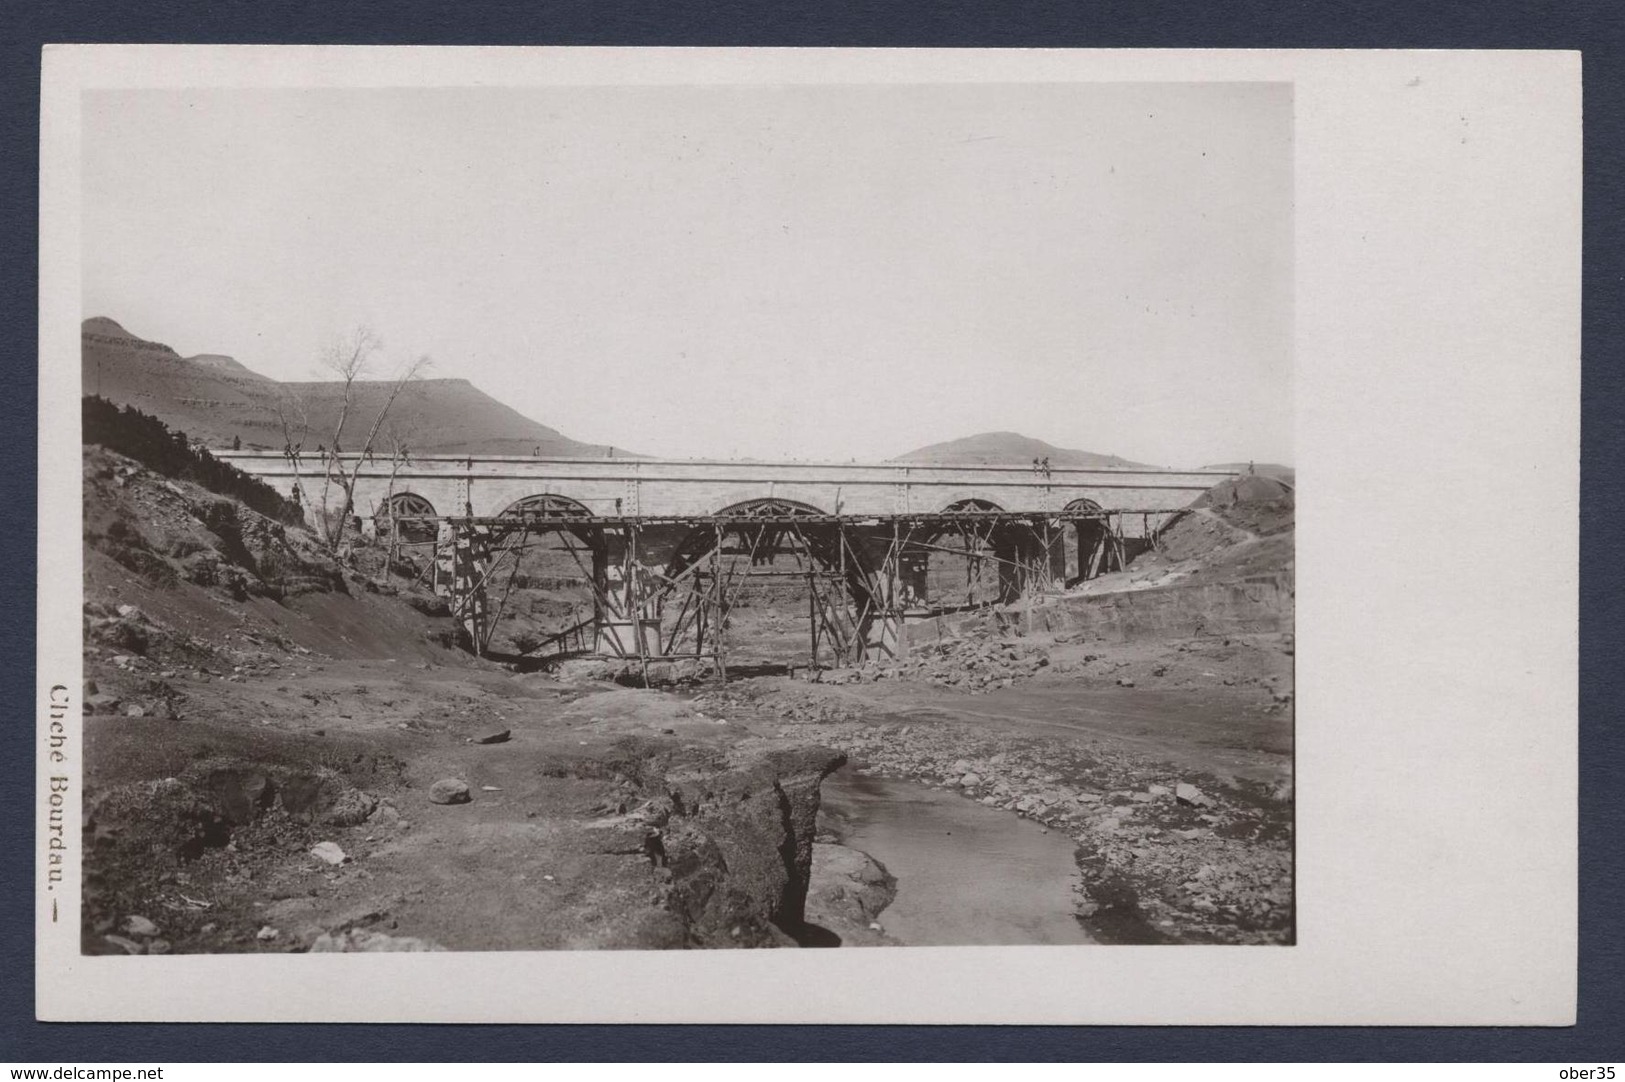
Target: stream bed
(966,874)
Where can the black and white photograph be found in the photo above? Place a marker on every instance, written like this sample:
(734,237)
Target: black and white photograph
(665,513)
(687,517)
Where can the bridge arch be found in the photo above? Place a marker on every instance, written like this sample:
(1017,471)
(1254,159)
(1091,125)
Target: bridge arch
(771,506)
(554,574)
(815,561)
(1089,548)
(406,505)
(697,543)
(545,503)
(972,503)
(959,564)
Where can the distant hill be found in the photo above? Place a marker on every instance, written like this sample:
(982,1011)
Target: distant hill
(1006,448)
(215,399)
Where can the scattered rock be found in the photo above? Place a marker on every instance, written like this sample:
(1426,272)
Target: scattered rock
(128,946)
(1187,793)
(267,934)
(135,710)
(102,703)
(140,926)
(349,807)
(1124,682)
(356,940)
(1157,790)
(969,780)
(329,853)
(449,791)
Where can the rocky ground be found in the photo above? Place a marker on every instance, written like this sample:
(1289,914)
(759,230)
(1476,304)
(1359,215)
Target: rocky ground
(284,754)
(1183,821)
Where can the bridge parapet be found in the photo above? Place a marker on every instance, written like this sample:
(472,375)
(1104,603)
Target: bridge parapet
(489,484)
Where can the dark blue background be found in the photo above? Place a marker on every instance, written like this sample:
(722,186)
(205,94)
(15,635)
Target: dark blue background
(1593,26)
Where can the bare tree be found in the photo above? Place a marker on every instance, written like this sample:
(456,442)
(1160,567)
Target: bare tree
(348,360)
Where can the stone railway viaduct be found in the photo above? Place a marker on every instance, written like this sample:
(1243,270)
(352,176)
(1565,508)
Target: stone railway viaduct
(866,534)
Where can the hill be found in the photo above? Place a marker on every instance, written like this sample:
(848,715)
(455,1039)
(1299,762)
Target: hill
(216,399)
(1005,448)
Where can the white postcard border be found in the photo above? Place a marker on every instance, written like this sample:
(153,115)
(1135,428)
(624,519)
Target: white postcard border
(1437,384)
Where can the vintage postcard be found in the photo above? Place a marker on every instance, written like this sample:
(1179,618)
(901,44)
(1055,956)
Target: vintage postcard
(807,535)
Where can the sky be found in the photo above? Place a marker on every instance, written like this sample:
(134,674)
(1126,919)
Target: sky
(797,272)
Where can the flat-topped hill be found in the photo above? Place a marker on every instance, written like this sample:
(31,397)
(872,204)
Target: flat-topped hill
(214,398)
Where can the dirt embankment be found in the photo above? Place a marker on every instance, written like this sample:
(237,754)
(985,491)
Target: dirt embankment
(282,755)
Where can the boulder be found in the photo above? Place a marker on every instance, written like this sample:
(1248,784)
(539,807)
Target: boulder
(499,737)
(329,853)
(1187,793)
(449,791)
(102,703)
(140,927)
